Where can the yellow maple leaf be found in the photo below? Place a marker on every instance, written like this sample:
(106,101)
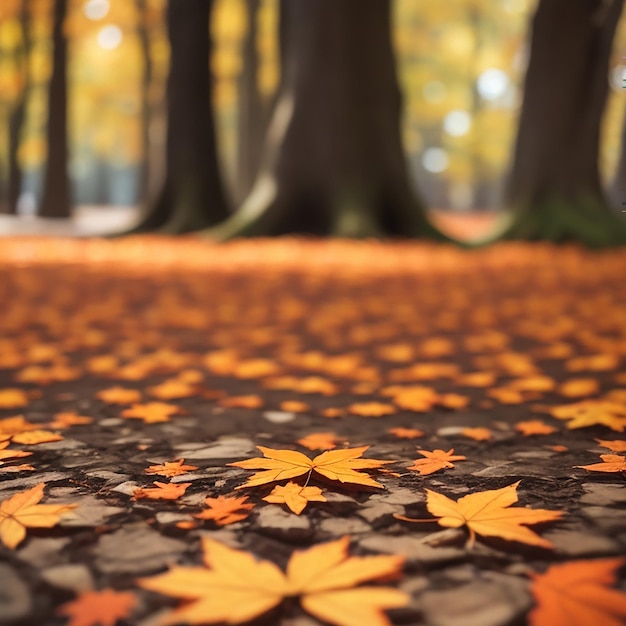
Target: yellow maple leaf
(610,463)
(234,587)
(119,395)
(295,496)
(578,594)
(175,468)
(12,398)
(162,491)
(152,412)
(319,441)
(338,465)
(225,510)
(10,454)
(486,513)
(435,460)
(93,608)
(23,511)
(33,437)
(591,413)
(617,445)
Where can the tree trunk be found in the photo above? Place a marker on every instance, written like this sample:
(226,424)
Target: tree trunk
(56,189)
(617,190)
(555,183)
(146,83)
(192,196)
(252,109)
(333,160)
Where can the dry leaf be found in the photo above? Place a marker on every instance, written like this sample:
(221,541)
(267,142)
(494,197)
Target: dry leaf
(485,513)
(372,409)
(335,464)
(319,441)
(173,389)
(592,413)
(162,491)
(294,406)
(119,395)
(610,463)
(33,437)
(234,587)
(242,402)
(6,455)
(98,608)
(435,461)
(477,434)
(406,433)
(23,511)
(152,412)
(225,510)
(17,424)
(617,445)
(175,468)
(534,427)
(578,387)
(578,593)
(63,420)
(11,398)
(295,496)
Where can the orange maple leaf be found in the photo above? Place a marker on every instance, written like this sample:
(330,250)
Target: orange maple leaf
(63,420)
(98,608)
(23,511)
(406,433)
(6,455)
(616,445)
(225,510)
(173,389)
(534,427)
(578,593)
(294,406)
(234,587)
(242,402)
(12,398)
(119,395)
(175,468)
(162,491)
(319,441)
(477,434)
(334,464)
(295,496)
(591,413)
(33,437)
(435,461)
(17,424)
(485,513)
(152,412)
(372,409)
(610,463)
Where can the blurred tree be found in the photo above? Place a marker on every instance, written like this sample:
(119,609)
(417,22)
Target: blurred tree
(333,160)
(143,23)
(192,196)
(55,201)
(555,183)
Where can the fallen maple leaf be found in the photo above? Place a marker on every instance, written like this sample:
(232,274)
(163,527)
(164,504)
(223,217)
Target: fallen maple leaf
(234,587)
(175,468)
(14,425)
(173,389)
(242,402)
(33,437)
(578,387)
(486,513)
(162,491)
(294,406)
(334,464)
(578,593)
(435,461)
(11,398)
(295,496)
(225,510)
(406,433)
(592,413)
(617,445)
(6,455)
(63,420)
(23,511)
(93,608)
(372,409)
(152,412)
(119,395)
(319,441)
(610,463)
(534,427)
(477,434)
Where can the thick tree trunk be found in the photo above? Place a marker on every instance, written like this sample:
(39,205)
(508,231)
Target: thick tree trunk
(146,83)
(55,200)
(252,109)
(192,196)
(617,190)
(555,183)
(333,160)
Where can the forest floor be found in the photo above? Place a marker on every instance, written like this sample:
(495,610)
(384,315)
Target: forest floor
(148,360)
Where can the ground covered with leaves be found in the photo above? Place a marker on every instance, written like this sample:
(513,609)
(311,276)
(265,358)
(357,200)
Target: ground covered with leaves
(297,432)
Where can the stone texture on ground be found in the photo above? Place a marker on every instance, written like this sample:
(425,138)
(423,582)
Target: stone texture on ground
(262,344)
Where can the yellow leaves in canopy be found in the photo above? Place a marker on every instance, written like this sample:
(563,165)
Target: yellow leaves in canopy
(23,511)
(578,593)
(486,513)
(225,510)
(234,587)
(98,608)
(295,496)
(610,463)
(435,461)
(338,465)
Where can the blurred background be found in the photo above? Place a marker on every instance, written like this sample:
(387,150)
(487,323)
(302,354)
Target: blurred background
(460,65)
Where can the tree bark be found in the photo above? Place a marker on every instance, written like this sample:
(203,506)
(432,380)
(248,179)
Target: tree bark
(617,190)
(55,200)
(333,160)
(146,111)
(252,109)
(192,196)
(555,182)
